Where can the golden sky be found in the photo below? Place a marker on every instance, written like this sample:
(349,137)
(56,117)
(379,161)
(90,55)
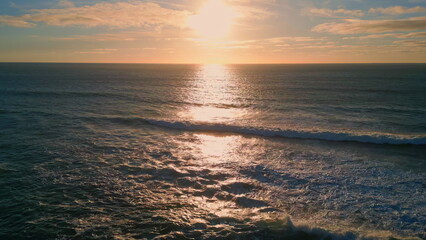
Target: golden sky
(213,31)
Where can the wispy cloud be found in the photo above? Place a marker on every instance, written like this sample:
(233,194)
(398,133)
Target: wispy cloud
(398,10)
(338,13)
(65,4)
(275,43)
(127,36)
(412,43)
(15,22)
(117,15)
(98,51)
(391,35)
(291,39)
(414,35)
(356,26)
(93,52)
(106,49)
(99,37)
(326,12)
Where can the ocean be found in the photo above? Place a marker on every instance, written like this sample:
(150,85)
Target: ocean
(149,151)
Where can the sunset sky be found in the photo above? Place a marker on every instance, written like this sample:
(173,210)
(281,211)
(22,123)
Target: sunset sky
(213,31)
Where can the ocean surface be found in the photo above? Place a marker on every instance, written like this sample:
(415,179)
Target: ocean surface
(140,151)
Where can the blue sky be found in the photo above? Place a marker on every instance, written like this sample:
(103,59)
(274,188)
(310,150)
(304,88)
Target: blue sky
(257,31)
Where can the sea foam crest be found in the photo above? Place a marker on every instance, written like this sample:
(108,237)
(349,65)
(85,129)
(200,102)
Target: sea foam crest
(329,136)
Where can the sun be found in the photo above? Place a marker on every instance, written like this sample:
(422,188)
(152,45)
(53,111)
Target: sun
(214,20)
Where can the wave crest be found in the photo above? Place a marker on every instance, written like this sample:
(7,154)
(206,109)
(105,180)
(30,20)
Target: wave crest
(329,136)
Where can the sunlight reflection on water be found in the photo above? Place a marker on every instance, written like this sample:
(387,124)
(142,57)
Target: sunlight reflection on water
(216,91)
(217,148)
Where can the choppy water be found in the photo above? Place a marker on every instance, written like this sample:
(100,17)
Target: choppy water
(113,151)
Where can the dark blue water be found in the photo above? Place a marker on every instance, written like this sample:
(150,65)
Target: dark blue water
(116,151)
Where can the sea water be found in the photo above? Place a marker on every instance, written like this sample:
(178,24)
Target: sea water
(143,151)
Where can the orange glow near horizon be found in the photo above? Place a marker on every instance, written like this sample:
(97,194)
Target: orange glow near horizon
(214,20)
(212,32)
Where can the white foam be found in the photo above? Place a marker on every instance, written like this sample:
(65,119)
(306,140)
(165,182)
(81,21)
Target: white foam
(329,136)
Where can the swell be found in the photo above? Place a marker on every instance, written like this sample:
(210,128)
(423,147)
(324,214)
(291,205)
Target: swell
(265,132)
(60,93)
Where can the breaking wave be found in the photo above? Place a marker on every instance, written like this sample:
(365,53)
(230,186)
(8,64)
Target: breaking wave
(329,136)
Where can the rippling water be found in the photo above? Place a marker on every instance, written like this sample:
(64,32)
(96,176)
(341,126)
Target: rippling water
(115,151)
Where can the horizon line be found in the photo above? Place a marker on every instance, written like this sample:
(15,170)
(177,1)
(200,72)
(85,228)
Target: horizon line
(177,63)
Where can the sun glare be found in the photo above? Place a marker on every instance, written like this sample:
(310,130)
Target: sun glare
(214,20)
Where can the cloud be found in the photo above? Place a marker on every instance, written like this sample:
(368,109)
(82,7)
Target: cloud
(414,35)
(254,9)
(338,13)
(94,52)
(355,26)
(117,15)
(15,22)
(65,4)
(325,12)
(98,51)
(257,13)
(107,37)
(398,10)
(135,35)
(392,35)
(411,43)
(376,36)
(275,43)
(106,49)
(292,39)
